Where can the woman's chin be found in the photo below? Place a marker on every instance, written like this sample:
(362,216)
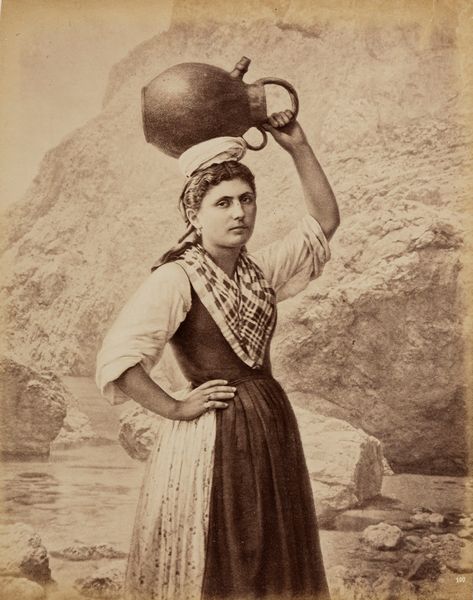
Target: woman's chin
(230,242)
(240,237)
(240,242)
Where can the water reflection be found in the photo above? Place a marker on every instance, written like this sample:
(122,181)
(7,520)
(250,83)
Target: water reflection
(29,488)
(87,494)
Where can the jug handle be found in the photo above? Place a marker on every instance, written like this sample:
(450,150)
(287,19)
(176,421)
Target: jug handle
(285,84)
(263,143)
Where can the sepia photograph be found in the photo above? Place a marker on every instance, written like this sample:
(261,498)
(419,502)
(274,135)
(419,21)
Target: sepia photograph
(236,283)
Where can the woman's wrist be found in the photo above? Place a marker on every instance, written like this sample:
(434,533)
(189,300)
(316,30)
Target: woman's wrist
(159,403)
(169,408)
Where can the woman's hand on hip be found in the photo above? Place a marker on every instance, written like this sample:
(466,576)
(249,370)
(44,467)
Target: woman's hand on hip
(286,130)
(210,395)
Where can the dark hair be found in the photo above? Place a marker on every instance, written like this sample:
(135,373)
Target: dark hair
(194,192)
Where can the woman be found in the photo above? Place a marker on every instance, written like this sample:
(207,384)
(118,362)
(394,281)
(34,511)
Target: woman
(226,508)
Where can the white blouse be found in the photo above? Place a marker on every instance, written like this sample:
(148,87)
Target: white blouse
(157,308)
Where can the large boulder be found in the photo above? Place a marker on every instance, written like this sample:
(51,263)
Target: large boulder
(381,338)
(22,554)
(345,464)
(38,413)
(76,429)
(33,410)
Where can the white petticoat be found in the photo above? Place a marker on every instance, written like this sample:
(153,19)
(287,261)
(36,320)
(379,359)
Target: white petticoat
(167,554)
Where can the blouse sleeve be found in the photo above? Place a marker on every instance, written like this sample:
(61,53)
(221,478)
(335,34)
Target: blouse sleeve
(291,263)
(144,325)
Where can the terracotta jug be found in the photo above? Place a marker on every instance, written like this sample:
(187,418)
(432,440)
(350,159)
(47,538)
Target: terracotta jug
(193,102)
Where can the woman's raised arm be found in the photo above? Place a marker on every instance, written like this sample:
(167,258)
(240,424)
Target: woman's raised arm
(318,194)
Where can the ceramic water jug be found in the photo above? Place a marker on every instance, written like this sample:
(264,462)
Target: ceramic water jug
(193,102)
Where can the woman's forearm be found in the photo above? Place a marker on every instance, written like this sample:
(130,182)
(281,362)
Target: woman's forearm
(319,197)
(139,386)
(318,194)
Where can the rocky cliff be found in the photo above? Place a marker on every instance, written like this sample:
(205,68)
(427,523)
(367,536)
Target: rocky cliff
(382,329)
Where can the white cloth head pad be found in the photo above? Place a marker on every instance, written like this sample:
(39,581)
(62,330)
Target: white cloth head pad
(210,152)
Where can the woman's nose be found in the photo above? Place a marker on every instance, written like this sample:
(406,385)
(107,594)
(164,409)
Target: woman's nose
(237,210)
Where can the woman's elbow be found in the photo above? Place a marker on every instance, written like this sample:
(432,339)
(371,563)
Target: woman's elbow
(126,381)
(331,226)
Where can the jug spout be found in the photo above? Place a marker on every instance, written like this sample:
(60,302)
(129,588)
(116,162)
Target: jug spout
(240,68)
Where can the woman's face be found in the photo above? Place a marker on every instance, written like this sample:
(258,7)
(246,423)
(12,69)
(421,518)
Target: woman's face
(226,217)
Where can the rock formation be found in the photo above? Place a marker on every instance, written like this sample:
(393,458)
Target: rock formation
(384,344)
(345,464)
(33,410)
(22,554)
(81,552)
(382,536)
(76,429)
(379,337)
(137,431)
(38,413)
(105,582)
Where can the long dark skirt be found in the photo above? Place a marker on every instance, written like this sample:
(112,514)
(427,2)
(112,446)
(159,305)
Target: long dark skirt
(263,539)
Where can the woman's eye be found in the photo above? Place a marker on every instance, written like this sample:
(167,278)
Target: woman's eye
(247,199)
(222,203)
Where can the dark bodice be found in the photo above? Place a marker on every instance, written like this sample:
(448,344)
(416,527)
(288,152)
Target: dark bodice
(203,353)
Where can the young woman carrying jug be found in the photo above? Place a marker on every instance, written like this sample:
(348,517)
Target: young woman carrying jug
(226,509)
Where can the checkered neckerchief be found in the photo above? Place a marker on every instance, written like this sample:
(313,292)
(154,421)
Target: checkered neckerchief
(243,307)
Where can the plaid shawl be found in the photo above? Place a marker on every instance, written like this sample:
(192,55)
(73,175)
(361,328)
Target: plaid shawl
(243,308)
